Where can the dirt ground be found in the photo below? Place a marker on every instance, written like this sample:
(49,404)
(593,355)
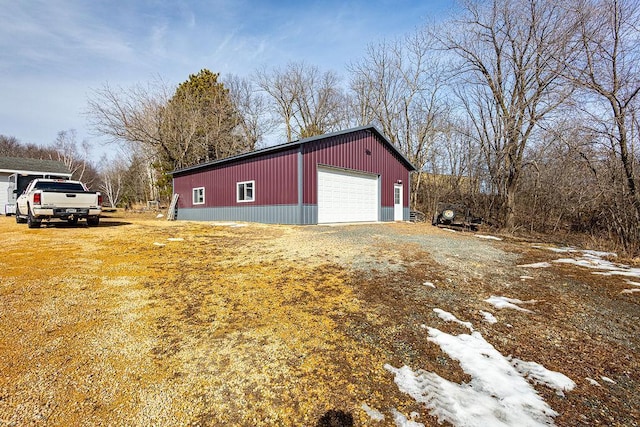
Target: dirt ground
(145,322)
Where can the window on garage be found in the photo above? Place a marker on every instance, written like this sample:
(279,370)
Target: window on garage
(246,191)
(198,196)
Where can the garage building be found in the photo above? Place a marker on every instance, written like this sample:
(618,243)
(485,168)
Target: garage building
(355,175)
(16,173)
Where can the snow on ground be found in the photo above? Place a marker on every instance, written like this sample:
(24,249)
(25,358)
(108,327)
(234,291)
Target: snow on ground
(504,302)
(538,374)
(488,317)
(175,239)
(497,395)
(374,414)
(429,284)
(402,421)
(570,249)
(448,317)
(523,278)
(608,380)
(484,236)
(536,265)
(589,259)
(593,382)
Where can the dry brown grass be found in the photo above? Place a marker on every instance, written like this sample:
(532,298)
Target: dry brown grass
(146,322)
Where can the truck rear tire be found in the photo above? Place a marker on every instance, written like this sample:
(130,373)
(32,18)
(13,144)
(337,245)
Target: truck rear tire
(93,222)
(32,222)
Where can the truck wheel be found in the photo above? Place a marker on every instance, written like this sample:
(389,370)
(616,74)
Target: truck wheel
(32,222)
(72,220)
(93,222)
(19,218)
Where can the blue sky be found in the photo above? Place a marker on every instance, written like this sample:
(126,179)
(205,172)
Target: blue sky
(53,53)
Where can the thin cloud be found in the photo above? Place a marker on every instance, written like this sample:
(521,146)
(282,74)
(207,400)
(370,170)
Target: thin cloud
(79,45)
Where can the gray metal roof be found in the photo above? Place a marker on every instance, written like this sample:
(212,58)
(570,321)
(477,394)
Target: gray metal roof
(33,166)
(297,143)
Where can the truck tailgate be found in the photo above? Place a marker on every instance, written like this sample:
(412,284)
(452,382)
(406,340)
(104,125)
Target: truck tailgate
(69,200)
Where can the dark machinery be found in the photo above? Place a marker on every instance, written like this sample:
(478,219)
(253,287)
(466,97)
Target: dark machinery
(455,215)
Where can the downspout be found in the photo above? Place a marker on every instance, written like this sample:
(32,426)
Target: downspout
(300,187)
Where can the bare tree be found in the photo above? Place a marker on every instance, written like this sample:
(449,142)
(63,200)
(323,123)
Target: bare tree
(510,56)
(399,86)
(278,84)
(113,175)
(609,74)
(309,102)
(67,151)
(253,109)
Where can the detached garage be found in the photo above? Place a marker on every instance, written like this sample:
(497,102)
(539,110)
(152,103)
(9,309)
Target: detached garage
(355,175)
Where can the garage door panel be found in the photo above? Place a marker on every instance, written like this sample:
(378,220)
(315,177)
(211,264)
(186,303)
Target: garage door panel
(345,196)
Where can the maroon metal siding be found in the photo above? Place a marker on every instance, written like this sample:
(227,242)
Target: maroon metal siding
(361,151)
(275,176)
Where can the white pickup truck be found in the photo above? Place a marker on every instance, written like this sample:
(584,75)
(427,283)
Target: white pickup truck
(44,199)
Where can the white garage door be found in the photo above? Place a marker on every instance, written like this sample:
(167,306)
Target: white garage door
(345,196)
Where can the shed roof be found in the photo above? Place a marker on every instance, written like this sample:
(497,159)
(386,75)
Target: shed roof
(298,143)
(33,166)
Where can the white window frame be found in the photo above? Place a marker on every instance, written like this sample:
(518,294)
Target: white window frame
(244,195)
(194,197)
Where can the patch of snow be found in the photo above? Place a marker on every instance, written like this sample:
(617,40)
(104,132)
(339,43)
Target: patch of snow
(570,249)
(559,250)
(483,236)
(401,421)
(159,216)
(488,317)
(594,260)
(496,395)
(593,382)
(536,265)
(429,284)
(600,254)
(158,244)
(448,317)
(632,272)
(374,414)
(538,374)
(632,283)
(630,291)
(449,230)
(175,239)
(504,302)
(523,278)
(608,380)
(589,262)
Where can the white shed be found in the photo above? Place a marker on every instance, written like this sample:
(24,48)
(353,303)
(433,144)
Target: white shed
(16,173)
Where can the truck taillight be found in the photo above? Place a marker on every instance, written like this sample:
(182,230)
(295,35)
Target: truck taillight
(99,199)
(37,198)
